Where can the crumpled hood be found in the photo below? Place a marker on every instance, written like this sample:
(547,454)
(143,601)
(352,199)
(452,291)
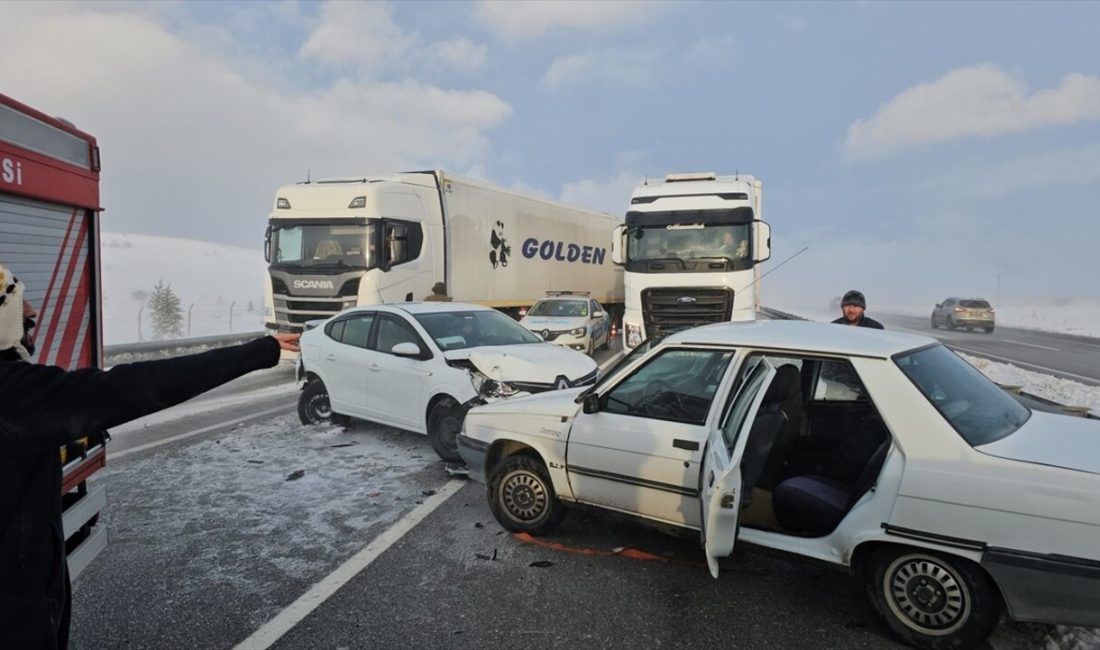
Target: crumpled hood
(556,404)
(529,362)
(1050,439)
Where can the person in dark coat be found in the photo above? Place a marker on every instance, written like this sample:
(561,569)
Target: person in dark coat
(46,407)
(852,306)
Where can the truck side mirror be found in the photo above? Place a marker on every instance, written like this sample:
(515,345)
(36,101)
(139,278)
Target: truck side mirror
(267,245)
(762,244)
(618,244)
(591,403)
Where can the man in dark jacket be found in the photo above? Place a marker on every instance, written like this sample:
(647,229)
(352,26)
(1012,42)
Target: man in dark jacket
(852,306)
(46,407)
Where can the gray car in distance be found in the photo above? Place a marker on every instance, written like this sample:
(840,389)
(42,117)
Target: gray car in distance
(974,313)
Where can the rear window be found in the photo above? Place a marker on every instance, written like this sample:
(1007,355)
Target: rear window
(974,304)
(976,407)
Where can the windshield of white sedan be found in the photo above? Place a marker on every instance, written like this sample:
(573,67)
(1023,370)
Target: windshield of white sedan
(978,409)
(560,308)
(457,330)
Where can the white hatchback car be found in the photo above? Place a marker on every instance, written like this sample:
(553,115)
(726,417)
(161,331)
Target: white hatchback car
(574,320)
(420,366)
(877,451)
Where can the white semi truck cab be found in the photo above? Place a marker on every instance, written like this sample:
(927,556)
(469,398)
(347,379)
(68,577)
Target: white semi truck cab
(691,247)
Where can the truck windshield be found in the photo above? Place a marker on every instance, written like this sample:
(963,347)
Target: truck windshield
(976,407)
(687,241)
(323,245)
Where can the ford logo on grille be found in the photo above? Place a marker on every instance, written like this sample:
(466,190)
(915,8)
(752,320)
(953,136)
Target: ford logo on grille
(686,300)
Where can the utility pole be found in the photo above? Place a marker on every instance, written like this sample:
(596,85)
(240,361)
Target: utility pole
(140,309)
(192,306)
(998,289)
(231,316)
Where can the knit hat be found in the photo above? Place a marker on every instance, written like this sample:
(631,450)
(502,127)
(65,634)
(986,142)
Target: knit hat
(11,314)
(854,297)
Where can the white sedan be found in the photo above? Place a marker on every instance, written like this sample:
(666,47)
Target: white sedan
(575,321)
(420,366)
(874,451)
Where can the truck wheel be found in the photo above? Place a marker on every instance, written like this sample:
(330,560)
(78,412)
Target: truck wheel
(522,497)
(931,600)
(314,406)
(444,425)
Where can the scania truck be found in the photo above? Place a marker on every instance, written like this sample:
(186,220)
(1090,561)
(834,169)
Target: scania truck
(691,247)
(336,244)
(49,238)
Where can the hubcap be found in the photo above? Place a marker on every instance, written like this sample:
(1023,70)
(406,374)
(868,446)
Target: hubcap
(320,408)
(523,496)
(926,595)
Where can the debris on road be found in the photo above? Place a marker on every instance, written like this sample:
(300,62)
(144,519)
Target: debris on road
(296,474)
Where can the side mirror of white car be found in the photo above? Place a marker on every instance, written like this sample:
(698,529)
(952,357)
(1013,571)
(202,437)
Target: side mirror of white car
(591,403)
(598,314)
(406,349)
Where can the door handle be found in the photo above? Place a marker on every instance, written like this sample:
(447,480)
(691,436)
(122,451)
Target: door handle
(690,445)
(330,357)
(374,367)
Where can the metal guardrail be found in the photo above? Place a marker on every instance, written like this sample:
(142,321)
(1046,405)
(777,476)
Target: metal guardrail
(125,352)
(1028,399)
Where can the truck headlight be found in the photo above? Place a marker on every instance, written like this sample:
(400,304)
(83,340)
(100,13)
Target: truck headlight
(488,389)
(633,335)
(580,331)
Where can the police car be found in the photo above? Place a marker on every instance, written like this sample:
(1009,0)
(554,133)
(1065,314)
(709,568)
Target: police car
(570,318)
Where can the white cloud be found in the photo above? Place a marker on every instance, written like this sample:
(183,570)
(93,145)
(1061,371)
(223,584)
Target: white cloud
(1058,168)
(611,195)
(361,35)
(519,20)
(631,68)
(976,101)
(460,53)
(194,146)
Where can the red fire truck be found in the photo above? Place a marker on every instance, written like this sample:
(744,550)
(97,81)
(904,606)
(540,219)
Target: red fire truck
(49,238)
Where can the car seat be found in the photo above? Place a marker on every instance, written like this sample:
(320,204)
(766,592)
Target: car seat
(815,505)
(776,423)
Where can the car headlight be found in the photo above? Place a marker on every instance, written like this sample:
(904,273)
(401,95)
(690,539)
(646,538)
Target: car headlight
(487,388)
(633,335)
(580,331)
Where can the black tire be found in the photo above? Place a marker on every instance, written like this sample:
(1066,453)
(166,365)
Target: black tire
(314,406)
(989,330)
(949,324)
(444,425)
(522,498)
(934,326)
(932,600)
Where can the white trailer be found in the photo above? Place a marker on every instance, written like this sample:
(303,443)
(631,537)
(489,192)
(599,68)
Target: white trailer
(691,247)
(335,244)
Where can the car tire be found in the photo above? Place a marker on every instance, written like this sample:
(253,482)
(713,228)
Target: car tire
(932,600)
(522,497)
(934,326)
(444,425)
(314,406)
(989,330)
(590,349)
(949,324)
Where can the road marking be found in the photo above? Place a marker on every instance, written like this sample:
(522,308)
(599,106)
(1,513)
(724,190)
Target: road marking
(1092,381)
(115,455)
(285,620)
(1031,345)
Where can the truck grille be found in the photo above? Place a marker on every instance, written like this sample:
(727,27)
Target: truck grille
(667,309)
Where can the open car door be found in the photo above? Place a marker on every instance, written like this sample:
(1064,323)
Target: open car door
(720,492)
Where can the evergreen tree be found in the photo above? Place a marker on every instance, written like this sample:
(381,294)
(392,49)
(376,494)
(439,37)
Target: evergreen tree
(167,312)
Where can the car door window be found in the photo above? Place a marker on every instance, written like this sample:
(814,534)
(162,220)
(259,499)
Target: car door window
(356,331)
(837,382)
(335,330)
(735,420)
(676,385)
(391,332)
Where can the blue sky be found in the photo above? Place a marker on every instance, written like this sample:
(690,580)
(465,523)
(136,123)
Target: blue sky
(918,149)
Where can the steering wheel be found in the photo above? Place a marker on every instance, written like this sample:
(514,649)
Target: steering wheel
(655,399)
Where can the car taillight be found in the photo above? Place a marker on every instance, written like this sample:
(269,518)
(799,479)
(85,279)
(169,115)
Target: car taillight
(960,309)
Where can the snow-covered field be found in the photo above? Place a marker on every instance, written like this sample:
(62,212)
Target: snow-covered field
(212,281)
